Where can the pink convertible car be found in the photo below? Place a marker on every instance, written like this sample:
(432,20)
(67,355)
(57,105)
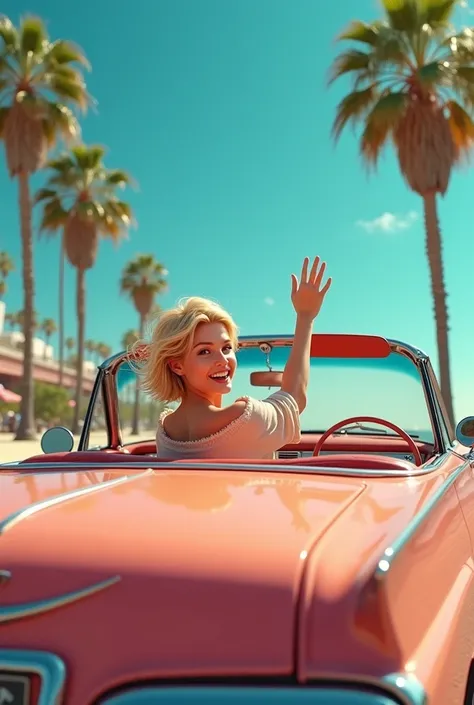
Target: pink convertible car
(339,573)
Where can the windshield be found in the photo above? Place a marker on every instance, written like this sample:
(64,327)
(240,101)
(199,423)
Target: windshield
(389,388)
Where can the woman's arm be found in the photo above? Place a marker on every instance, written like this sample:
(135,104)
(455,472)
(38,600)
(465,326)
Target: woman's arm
(307,299)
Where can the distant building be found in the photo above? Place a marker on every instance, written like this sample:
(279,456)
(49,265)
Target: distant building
(46,368)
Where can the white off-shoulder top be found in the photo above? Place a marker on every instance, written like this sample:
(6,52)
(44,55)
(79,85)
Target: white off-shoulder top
(263,427)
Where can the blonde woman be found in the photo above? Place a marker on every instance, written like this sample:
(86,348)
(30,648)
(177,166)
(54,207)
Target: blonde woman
(192,360)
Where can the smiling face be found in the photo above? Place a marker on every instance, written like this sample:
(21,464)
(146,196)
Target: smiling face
(208,367)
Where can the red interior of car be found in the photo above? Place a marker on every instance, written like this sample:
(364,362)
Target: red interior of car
(345,443)
(356,452)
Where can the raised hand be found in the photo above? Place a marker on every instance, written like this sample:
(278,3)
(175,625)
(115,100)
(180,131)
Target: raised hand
(307,296)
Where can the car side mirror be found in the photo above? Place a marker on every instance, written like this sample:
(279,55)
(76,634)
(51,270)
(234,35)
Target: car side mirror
(465,432)
(57,440)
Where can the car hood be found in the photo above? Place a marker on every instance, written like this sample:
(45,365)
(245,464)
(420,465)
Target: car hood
(184,572)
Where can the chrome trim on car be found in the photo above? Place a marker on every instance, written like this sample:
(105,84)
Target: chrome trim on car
(213,695)
(13,613)
(407,685)
(392,551)
(294,469)
(84,439)
(442,413)
(5,576)
(49,667)
(12,519)
(432,408)
(414,353)
(393,689)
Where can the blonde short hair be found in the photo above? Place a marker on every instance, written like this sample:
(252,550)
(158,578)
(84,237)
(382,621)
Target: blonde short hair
(172,338)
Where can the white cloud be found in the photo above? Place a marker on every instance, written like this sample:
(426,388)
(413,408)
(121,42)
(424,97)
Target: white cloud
(464,5)
(389,222)
(269,301)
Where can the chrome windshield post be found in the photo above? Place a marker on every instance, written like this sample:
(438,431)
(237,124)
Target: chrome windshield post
(86,428)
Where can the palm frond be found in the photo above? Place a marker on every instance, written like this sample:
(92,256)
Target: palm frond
(348,62)
(54,216)
(44,194)
(62,164)
(352,108)
(69,90)
(62,52)
(9,35)
(430,74)
(32,36)
(462,129)
(380,123)
(120,211)
(127,282)
(116,177)
(436,12)
(60,120)
(403,15)
(88,158)
(362,32)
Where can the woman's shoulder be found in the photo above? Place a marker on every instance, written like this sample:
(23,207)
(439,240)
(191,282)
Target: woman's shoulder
(257,409)
(231,413)
(221,422)
(279,410)
(272,409)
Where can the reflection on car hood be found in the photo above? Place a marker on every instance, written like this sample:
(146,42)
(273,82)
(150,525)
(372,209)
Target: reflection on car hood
(209,565)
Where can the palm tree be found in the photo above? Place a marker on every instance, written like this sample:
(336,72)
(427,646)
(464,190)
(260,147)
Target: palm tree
(143,278)
(413,86)
(6,266)
(69,344)
(104,351)
(62,262)
(49,327)
(80,200)
(90,347)
(21,318)
(41,80)
(13,320)
(129,338)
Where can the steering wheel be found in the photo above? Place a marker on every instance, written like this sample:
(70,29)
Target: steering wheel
(371,419)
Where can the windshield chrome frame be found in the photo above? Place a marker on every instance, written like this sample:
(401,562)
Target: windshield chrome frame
(107,372)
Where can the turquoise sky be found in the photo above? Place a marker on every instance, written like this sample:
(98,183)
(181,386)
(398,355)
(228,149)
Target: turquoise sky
(220,110)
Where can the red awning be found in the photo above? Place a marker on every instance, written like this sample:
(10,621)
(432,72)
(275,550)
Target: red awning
(8,396)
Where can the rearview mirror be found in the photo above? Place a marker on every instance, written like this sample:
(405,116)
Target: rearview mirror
(465,432)
(57,440)
(266,379)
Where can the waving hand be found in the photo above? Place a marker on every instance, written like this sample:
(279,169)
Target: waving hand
(307,295)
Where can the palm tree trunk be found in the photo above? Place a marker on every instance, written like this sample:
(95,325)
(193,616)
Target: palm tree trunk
(26,428)
(435,261)
(136,407)
(80,310)
(61,311)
